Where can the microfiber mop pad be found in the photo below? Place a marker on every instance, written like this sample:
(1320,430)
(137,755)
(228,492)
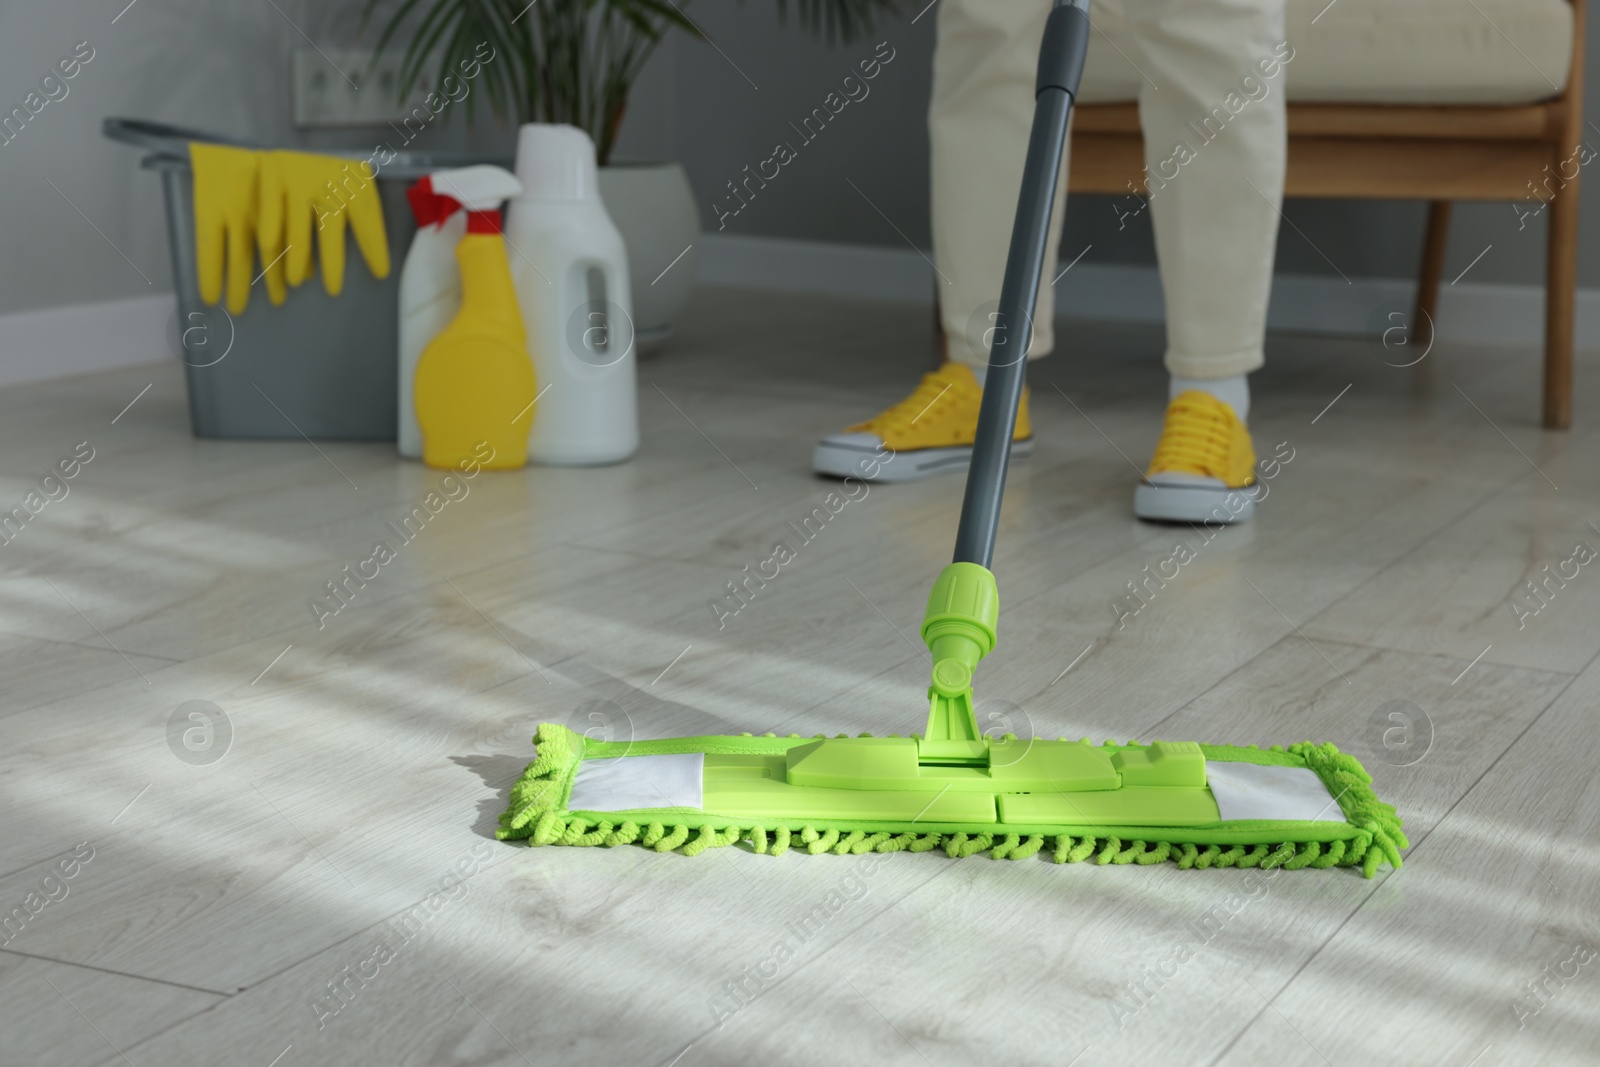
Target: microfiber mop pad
(1302,806)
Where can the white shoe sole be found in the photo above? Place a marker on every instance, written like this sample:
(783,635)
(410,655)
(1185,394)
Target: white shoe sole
(1194,503)
(852,461)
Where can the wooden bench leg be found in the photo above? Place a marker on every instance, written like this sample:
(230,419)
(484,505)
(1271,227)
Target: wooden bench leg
(1560,296)
(1433,246)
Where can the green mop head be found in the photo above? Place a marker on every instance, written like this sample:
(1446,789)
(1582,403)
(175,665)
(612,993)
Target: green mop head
(1199,806)
(1364,833)
(952,787)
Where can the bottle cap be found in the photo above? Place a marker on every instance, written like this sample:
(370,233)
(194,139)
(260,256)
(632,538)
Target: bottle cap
(484,221)
(556,162)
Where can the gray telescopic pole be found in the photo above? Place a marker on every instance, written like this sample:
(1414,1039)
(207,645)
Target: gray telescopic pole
(1066,39)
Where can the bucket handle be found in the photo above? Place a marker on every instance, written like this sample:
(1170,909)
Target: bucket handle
(160,137)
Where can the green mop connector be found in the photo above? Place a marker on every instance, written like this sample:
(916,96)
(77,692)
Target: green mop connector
(959,629)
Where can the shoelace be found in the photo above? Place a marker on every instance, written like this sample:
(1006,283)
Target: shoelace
(927,397)
(1197,438)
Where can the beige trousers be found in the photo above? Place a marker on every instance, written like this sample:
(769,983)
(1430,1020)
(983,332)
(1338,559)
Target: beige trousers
(1212,110)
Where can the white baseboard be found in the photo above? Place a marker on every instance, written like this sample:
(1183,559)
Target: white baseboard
(1301,303)
(869,272)
(79,338)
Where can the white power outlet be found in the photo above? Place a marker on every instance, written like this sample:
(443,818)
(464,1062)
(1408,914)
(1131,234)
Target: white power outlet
(344,88)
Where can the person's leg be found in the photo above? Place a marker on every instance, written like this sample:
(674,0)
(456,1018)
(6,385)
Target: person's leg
(1215,144)
(979,119)
(978,124)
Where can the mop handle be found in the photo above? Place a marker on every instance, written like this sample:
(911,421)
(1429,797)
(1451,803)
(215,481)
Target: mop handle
(1066,39)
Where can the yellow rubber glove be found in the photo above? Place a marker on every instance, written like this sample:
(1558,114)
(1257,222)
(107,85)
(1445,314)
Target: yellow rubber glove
(226,190)
(302,193)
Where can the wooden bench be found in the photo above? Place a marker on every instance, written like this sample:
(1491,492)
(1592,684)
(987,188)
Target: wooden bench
(1440,154)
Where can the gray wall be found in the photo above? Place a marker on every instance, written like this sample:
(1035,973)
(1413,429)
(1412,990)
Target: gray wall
(880,143)
(223,64)
(213,64)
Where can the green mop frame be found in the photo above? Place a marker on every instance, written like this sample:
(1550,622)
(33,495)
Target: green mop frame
(951,787)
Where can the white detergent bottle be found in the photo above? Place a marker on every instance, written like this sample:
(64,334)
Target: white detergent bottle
(430,281)
(570,268)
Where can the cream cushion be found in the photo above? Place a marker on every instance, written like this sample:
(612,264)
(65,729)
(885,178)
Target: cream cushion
(1383,52)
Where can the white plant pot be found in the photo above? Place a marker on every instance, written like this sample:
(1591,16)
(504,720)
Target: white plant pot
(653,206)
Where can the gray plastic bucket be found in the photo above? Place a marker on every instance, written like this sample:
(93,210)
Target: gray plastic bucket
(318,366)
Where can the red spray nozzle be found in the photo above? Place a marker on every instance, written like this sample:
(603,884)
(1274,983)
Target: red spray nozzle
(428,207)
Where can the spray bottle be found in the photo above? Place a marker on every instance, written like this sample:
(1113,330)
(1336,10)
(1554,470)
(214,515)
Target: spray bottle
(430,294)
(474,381)
(571,276)
(430,281)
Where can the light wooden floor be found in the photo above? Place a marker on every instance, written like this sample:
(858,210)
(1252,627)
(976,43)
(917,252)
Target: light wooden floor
(369,758)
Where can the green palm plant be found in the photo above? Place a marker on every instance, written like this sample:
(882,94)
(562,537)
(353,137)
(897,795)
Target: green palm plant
(568,61)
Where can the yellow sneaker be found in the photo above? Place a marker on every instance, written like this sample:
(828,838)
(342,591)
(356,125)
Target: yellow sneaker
(929,432)
(1204,466)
